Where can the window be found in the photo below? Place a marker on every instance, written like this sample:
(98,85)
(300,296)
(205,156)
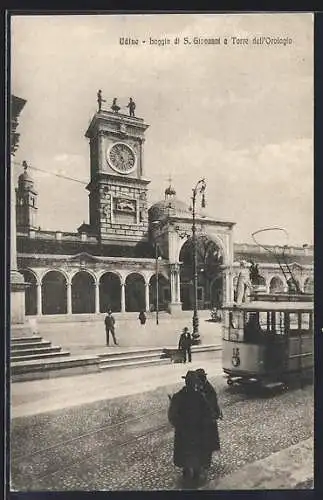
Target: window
(293,321)
(305,321)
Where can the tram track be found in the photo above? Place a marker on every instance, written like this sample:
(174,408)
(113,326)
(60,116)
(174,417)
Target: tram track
(47,461)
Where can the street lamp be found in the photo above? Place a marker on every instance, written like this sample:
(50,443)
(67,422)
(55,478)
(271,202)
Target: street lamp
(199,189)
(156,223)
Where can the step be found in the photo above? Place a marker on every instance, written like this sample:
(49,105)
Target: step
(25,340)
(130,352)
(131,357)
(53,367)
(22,346)
(41,356)
(158,362)
(37,350)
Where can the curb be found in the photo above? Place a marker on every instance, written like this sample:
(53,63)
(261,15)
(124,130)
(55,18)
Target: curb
(290,468)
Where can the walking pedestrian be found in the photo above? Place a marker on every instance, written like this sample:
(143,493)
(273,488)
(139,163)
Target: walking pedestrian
(210,395)
(185,344)
(110,327)
(190,415)
(142,317)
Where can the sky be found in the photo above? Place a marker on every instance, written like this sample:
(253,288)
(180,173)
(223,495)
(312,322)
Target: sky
(239,115)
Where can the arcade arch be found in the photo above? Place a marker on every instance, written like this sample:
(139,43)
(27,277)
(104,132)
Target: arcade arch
(54,295)
(135,295)
(209,273)
(83,293)
(163,292)
(276,285)
(110,292)
(30,292)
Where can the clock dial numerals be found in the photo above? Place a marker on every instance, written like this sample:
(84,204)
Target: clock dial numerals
(122,158)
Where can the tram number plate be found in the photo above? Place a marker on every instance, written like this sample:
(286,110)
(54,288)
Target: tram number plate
(235,356)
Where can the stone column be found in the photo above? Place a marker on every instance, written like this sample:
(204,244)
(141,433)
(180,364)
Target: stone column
(147,296)
(175,304)
(227,285)
(17,282)
(97,297)
(69,297)
(39,300)
(123,297)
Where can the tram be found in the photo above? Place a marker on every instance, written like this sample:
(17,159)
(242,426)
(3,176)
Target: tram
(269,339)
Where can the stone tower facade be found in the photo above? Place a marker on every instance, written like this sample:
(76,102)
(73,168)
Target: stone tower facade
(118,191)
(26,202)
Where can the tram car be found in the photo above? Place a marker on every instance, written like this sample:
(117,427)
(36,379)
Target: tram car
(268,340)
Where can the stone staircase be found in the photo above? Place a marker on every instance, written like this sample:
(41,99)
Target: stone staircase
(145,357)
(32,348)
(33,358)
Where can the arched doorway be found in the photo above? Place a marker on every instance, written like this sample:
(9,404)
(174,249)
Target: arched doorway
(216,292)
(209,273)
(54,295)
(292,285)
(309,285)
(163,293)
(135,293)
(83,293)
(276,285)
(110,292)
(30,293)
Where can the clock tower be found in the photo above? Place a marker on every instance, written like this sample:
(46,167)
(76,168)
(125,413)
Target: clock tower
(118,190)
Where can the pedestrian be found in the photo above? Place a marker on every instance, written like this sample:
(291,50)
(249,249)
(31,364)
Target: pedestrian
(190,415)
(110,327)
(142,317)
(185,344)
(210,395)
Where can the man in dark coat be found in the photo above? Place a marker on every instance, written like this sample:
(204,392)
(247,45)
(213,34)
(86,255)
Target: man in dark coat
(209,393)
(190,414)
(184,344)
(110,327)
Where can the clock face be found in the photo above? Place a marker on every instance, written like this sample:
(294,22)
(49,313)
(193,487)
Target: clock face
(121,158)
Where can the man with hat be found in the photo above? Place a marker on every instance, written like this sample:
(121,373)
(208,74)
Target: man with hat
(110,327)
(184,345)
(190,415)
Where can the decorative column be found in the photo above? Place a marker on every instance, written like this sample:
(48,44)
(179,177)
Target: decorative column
(97,297)
(227,285)
(175,304)
(123,297)
(39,300)
(69,298)
(147,296)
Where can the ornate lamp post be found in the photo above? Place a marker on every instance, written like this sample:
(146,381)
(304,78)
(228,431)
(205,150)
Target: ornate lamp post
(199,189)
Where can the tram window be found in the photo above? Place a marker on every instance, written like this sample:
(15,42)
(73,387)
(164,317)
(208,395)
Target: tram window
(305,321)
(236,326)
(279,322)
(293,321)
(263,321)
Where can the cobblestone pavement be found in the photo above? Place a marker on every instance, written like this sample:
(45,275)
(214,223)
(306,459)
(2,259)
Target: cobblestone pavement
(127,443)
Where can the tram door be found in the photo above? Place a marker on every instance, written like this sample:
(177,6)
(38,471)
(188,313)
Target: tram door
(275,351)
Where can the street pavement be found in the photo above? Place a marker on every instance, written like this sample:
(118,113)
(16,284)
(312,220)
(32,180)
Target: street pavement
(109,431)
(126,442)
(88,337)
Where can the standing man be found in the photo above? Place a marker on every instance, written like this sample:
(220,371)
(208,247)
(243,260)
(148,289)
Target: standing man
(110,327)
(185,343)
(190,415)
(132,106)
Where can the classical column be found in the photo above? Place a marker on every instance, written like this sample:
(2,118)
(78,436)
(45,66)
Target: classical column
(39,300)
(69,298)
(227,285)
(147,297)
(172,288)
(123,297)
(178,283)
(97,297)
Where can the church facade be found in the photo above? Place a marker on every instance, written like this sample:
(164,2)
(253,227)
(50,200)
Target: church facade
(129,250)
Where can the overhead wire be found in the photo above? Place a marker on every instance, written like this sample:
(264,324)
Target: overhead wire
(62,176)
